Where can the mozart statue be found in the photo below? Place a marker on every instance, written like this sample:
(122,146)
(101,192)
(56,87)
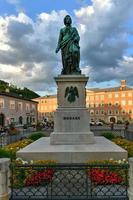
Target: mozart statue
(68,42)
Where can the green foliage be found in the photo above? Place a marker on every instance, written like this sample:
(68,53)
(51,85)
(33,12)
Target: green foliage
(108,135)
(13,89)
(35,136)
(7,154)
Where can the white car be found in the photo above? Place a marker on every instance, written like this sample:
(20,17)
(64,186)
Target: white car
(92,123)
(99,123)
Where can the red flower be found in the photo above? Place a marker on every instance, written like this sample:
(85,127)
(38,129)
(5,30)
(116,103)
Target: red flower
(104,176)
(40,177)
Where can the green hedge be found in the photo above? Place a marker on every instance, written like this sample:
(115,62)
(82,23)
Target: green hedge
(35,136)
(108,135)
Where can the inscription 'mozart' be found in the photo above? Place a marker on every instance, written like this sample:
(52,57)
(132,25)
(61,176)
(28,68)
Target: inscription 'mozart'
(71,118)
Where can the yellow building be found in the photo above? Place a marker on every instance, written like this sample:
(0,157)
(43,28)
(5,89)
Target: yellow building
(108,104)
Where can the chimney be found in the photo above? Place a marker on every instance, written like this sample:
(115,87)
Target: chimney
(123,84)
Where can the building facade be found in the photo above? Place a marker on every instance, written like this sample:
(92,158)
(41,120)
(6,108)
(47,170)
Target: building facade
(108,104)
(15,109)
(46,107)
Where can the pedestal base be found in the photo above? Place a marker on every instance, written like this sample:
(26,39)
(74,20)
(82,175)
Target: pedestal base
(102,149)
(72,138)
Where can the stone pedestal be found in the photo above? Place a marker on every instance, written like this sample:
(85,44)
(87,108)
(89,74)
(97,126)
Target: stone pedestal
(4,179)
(71,119)
(72,141)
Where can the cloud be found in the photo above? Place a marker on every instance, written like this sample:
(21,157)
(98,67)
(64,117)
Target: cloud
(30,47)
(104,36)
(27,47)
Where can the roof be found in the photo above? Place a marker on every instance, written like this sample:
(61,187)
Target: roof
(16,96)
(47,96)
(114,89)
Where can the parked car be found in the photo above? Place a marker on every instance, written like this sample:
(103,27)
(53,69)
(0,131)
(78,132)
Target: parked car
(92,123)
(99,123)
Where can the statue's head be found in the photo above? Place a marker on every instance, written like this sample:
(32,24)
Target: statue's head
(67,20)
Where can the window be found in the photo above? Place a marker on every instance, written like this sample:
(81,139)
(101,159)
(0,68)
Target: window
(116,112)
(110,95)
(91,112)
(123,102)
(12,105)
(129,94)
(97,112)
(87,98)
(20,106)
(109,112)
(1,103)
(130,102)
(123,94)
(54,107)
(27,107)
(97,97)
(33,107)
(91,105)
(130,111)
(102,97)
(116,95)
(116,103)
(102,112)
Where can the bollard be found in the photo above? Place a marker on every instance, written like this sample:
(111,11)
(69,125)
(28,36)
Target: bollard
(4,179)
(130,190)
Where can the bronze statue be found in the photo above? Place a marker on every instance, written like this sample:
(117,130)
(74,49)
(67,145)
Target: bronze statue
(69,44)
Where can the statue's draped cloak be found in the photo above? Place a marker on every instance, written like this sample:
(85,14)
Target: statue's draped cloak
(69,45)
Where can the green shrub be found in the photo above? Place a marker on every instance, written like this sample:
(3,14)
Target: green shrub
(35,136)
(108,135)
(7,154)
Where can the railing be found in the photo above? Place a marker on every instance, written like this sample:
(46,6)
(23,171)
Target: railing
(99,130)
(69,181)
(6,139)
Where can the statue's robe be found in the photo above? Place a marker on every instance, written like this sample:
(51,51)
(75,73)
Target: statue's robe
(69,45)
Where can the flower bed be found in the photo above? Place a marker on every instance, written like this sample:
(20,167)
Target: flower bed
(14,147)
(104,176)
(126,144)
(40,177)
(34,173)
(107,172)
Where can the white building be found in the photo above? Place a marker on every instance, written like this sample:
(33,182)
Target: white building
(17,110)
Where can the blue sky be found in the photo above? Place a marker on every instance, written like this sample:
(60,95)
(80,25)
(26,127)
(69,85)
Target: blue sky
(34,7)
(29,33)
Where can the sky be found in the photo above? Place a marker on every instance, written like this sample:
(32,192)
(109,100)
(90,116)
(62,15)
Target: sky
(29,31)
